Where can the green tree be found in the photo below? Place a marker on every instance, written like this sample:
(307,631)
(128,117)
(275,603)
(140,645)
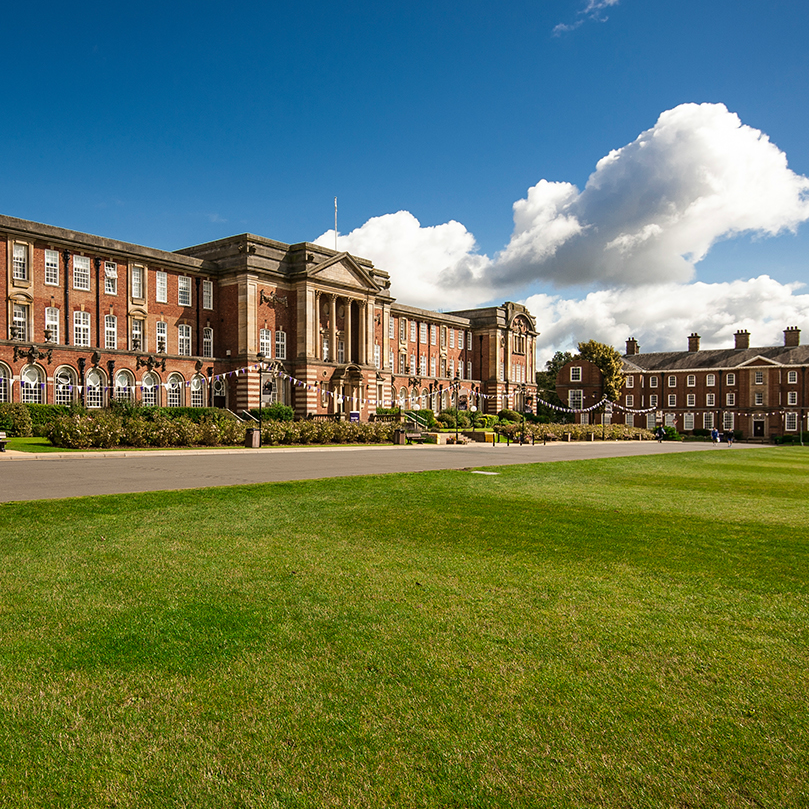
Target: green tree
(609,361)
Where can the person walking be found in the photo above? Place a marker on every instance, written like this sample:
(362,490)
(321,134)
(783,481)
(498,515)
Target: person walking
(660,434)
(715,436)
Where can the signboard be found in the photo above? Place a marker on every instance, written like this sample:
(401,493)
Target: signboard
(354,416)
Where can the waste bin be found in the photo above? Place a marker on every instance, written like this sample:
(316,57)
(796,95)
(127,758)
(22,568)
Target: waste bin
(252,438)
(399,437)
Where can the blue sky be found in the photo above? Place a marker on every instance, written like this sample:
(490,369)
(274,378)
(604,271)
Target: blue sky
(175,123)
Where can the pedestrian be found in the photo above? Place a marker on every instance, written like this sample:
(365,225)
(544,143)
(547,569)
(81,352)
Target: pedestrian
(660,434)
(729,438)
(714,436)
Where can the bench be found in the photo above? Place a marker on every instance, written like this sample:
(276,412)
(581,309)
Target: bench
(3,442)
(417,437)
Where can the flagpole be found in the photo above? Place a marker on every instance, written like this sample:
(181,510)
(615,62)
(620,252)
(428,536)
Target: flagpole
(335,224)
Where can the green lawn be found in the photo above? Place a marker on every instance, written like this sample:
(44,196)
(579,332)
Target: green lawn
(619,633)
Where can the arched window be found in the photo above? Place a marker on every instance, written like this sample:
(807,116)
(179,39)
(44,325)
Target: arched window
(174,388)
(125,387)
(5,383)
(149,385)
(94,388)
(402,397)
(64,386)
(197,391)
(424,398)
(31,385)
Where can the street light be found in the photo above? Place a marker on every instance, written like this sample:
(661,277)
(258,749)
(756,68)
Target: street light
(457,382)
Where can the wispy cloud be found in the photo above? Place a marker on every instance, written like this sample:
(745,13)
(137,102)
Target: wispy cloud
(594,11)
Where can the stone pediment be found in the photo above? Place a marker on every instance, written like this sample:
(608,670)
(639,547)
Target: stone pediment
(757,360)
(343,271)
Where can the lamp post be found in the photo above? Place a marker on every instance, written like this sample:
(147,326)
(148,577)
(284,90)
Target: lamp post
(523,393)
(457,382)
(260,357)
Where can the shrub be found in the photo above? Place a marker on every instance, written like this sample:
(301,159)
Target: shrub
(15,419)
(43,414)
(509,416)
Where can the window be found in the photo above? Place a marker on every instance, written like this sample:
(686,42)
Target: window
(51,324)
(452,338)
(124,387)
(460,340)
(691,380)
(110,332)
(469,369)
(184,290)
(575,374)
(174,390)
(64,384)
(265,343)
(731,379)
(149,390)
(341,351)
(377,356)
(52,267)
(434,335)
(468,340)
(688,421)
(710,380)
(413,328)
(207,344)
(630,400)
(432,367)
(707,421)
(184,340)
(137,282)
(672,400)
(630,381)
(653,400)
(423,365)
(81,272)
(672,381)
(452,369)
(20,262)
(93,389)
(691,400)
(110,278)
(423,333)
(207,294)
(81,328)
(792,397)
(791,422)
(326,355)
(31,385)
(162,333)
(198,391)
(710,399)
(413,364)
(402,363)
(730,399)
(281,345)
(758,398)
(629,419)
(759,378)
(391,328)
(136,336)
(727,421)
(402,329)
(19,325)
(460,369)
(575,399)
(161,287)
(652,381)
(792,377)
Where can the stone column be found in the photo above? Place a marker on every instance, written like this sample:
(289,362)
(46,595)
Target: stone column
(318,352)
(362,337)
(347,335)
(333,328)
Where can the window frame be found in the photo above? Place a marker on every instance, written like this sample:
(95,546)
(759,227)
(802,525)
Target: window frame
(184,290)
(81,273)
(161,286)
(207,294)
(110,333)
(51,268)
(184,334)
(82,328)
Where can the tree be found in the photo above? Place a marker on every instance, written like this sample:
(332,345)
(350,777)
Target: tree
(609,361)
(546,382)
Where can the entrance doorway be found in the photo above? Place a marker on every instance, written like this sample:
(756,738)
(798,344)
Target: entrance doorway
(758,429)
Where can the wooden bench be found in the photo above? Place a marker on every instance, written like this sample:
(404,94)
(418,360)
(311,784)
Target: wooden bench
(3,442)
(417,437)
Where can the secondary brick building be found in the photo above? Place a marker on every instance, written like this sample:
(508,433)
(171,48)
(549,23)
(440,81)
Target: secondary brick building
(89,319)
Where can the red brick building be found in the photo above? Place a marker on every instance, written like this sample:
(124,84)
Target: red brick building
(760,392)
(89,319)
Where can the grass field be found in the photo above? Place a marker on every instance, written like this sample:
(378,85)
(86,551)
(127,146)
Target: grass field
(621,633)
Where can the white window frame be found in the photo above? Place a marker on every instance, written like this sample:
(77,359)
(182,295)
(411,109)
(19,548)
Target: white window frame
(52,322)
(137,332)
(423,365)
(81,272)
(710,400)
(94,389)
(21,319)
(265,343)
(137,282)
(653,400)
(162,337)
(710,380)
(759,377)
(197,388)
(630,400)
(377,356)
(731,379)
(280,344)
(691,381)
(433,334)
(730,399)
(460,340)
(727,420)
(110,278)
(207,294)
(423,333)
(207,342)
(791,422)
(575,398)
(81,329)
(688,421)
(792,397)
(691,400)
(792,377)
(652,381)
(19,261)
(52,268)
(630,381)
(183,290)
(110,332)
(672,400)
(671,380)
(452,338)
(707,421)
(758,398)
(575,373)
(413,331)
(184,340)
(161,286)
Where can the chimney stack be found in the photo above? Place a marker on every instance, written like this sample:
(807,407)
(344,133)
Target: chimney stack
(631,346)
(742,339)
(792,336)
(693,342)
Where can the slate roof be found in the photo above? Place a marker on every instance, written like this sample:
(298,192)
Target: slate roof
(716,358)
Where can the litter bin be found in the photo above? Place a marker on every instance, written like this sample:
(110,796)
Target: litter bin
(252,438)
(399,437)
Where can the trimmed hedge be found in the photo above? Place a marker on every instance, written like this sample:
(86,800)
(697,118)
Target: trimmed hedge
(15,419)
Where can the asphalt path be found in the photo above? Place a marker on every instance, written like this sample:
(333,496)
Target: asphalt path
(50,476)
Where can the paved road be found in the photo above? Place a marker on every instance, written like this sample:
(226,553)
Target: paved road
(48,476)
